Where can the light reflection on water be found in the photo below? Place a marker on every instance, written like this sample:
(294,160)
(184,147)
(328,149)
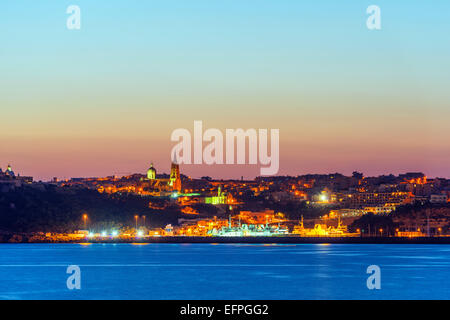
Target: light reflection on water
(221,271)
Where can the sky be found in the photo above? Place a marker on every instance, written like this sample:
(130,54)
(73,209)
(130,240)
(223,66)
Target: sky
(105,99)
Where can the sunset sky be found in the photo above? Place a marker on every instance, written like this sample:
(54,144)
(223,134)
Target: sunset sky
(105,99)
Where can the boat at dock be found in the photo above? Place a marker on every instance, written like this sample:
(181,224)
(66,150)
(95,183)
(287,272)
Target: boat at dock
(249,230)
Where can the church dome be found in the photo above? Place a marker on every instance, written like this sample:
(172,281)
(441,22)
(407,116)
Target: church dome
(9,171)
(151,173)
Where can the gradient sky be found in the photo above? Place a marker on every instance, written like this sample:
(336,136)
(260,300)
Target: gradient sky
(104,100)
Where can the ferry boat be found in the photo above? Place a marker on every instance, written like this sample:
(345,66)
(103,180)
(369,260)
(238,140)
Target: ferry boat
(322,230)
(246,230)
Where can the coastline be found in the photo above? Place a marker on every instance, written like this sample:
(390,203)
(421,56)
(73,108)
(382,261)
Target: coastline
(260,240)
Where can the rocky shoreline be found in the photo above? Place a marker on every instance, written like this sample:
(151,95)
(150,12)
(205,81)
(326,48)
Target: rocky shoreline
(27,238)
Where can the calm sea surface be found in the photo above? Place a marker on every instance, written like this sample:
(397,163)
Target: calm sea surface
(224,271)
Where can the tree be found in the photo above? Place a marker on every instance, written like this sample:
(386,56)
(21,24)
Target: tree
(371,224)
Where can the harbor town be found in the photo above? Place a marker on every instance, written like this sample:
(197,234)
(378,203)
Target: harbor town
(142,207)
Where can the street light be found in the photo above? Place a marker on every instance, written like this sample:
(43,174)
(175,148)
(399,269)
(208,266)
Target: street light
(85,217)
(143,217)
(136,217)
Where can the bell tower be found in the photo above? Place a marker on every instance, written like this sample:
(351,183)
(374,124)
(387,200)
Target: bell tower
(175,179)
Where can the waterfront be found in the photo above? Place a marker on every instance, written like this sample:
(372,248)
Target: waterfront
(224,271)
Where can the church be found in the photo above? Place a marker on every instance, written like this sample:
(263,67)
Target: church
(9,179)
(9,173)
(172,184)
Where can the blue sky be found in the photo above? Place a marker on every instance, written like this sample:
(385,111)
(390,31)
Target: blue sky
(139,69)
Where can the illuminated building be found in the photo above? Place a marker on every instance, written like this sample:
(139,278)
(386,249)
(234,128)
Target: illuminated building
(345,213)
(151,173)
(9,172)
(168,230)
(261,217)
(149,184)
(221,198)
(161,185)
(414,177)
(175,179)
(9,180)
(410,234)
(368,199)
(188,210)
